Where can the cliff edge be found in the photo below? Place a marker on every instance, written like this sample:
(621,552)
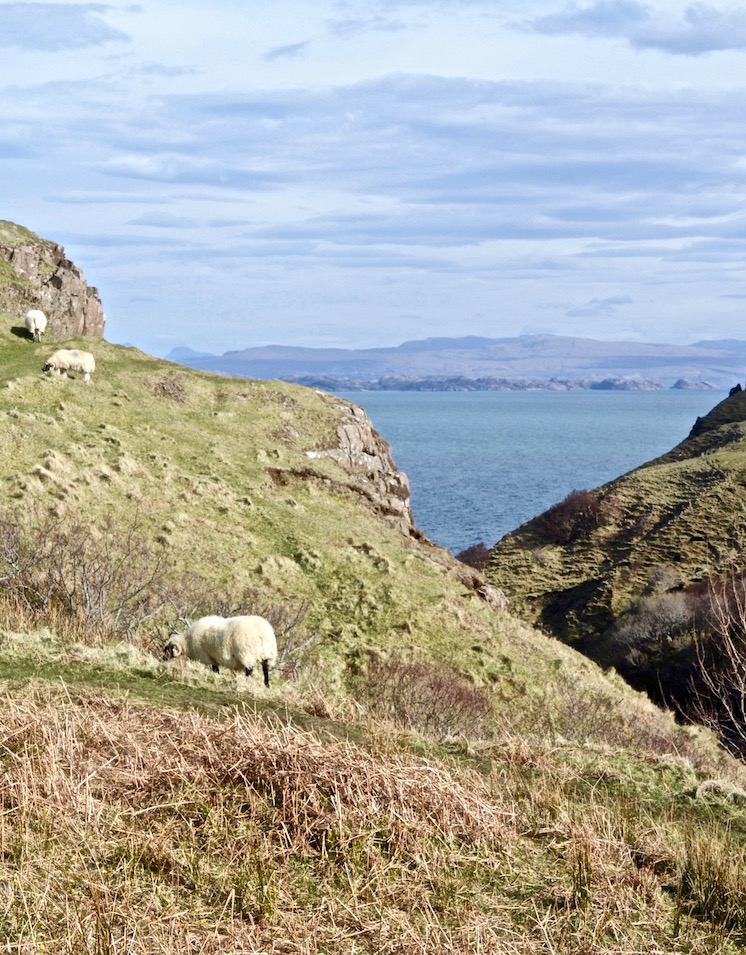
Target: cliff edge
(35,273)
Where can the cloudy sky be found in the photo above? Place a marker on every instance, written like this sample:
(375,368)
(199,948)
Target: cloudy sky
(362,172)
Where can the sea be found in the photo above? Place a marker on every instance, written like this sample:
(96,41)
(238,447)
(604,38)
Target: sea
(480,464)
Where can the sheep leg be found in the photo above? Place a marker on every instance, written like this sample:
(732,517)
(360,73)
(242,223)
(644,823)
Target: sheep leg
(265,670)
(215,668)
(249,670)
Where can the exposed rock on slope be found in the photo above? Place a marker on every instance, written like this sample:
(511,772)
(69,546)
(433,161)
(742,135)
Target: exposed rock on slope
(365,455)
(35,273)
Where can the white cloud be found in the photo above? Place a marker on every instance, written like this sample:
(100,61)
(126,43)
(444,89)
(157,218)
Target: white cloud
(51,27)
(700,29)
(288,50)
(402,159)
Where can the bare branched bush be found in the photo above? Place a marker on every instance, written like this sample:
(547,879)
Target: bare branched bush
(105,581)
(581,714)
(654,621)
(663,578)
(476,556)
(572,518)
(423,696)
(718,685)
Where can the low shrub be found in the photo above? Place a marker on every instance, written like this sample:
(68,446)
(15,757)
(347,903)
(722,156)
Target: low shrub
(572,518)
(169,386)
(654,621)
(476,556)
(427,697)
(101,582)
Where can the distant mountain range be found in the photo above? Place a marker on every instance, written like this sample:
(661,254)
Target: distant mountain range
(531,361)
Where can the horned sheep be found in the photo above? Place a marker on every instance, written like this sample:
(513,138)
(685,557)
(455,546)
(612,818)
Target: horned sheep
(237,643)
(36,322)
(67,359)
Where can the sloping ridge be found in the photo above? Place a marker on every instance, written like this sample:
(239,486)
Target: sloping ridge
(540,357)
(665,528)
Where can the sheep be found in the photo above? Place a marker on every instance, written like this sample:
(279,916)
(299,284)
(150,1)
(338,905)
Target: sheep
(36,322)
(238,643)
(65,359)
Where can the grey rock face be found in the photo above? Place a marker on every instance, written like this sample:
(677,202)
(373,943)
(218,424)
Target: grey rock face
(366,456)
(40,276)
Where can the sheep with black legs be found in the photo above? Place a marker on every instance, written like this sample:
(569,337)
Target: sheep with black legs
(237,643)
(70,359)
(36,322)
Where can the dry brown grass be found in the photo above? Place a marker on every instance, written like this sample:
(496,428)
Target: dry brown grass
(135,830)
(130,829)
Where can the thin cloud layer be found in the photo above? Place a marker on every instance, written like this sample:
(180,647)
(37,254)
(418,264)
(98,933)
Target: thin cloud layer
(700,29)
(401,168)
(51,27)
(289,50)
(598,307)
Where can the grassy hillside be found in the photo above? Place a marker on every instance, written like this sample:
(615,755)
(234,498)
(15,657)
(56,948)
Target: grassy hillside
(430,774)
(214,474)
(623,572)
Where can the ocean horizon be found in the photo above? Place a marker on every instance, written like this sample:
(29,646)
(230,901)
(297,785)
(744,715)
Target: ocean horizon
(480,464)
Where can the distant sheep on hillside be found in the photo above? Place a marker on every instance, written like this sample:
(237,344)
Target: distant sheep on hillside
(65,359)
(36,322)
(237,643)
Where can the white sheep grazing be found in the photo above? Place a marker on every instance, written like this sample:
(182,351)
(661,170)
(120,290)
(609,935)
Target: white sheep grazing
(67,359)
(238,643)
(36,322)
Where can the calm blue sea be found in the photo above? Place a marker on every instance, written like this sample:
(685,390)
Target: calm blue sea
(482,463)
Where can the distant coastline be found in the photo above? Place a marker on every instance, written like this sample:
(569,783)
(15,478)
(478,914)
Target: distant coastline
(461,383)
(527,363)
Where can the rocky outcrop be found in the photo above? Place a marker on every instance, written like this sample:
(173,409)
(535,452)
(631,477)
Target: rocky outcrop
(35,273)
(366,456)
(730,411)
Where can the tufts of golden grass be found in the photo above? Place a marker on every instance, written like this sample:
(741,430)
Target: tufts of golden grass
(128,828)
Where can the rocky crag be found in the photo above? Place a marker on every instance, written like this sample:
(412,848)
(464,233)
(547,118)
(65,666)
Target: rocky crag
(35,273)
(366,456)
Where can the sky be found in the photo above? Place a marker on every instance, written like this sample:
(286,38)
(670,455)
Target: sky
(359,173)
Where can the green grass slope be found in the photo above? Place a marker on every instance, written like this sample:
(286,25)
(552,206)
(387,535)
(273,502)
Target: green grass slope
(663,529)
(215,473)
(433,775)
